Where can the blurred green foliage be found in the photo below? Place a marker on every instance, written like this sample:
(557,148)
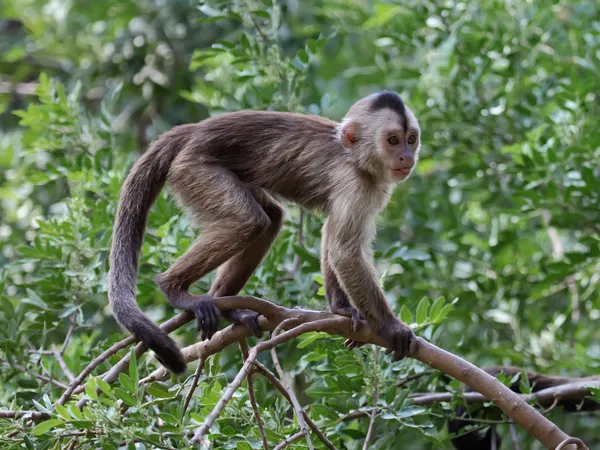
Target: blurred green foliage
(502,218)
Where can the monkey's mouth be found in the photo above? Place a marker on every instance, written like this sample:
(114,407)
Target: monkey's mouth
(404,171)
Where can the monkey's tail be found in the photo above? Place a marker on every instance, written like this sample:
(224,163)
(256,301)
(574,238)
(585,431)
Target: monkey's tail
(140,189)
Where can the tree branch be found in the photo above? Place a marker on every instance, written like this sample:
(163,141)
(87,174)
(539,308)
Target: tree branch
(287,384)
(252,396)
(511,403)
(572,392)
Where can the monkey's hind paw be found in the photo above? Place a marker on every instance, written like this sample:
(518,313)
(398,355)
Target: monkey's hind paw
(349,311)
(245,317)
(357,323)
(352,344)
(207,315)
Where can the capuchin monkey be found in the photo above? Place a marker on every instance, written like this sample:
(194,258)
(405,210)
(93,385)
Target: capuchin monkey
(476,440)
(227,172)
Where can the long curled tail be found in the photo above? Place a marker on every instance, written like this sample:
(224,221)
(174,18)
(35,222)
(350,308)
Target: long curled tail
(140,189)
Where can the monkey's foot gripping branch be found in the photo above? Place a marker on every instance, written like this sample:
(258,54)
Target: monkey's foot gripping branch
(272,315)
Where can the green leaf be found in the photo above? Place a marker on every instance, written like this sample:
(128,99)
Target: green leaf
(127,383)
(33,299)
(90,388)
(311,337)
(125,396)
(405,315)
(45,426)
(422,308)
(159,391)
(303,56)
(133,369)
(105,387)
(436,308)
(62,411)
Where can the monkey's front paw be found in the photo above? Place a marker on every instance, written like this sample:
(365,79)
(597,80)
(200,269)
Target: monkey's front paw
(207,315)
(400,338)
(245,317)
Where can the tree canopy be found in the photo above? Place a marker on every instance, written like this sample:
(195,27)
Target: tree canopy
(491,250)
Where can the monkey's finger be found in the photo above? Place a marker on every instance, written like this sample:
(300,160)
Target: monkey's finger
(252,324)
(212,319)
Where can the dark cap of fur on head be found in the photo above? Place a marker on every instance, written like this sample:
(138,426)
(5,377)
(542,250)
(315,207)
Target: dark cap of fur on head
(390,100)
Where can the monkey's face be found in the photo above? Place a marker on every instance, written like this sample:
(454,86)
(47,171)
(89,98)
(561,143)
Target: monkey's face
(398,144)
(384,135)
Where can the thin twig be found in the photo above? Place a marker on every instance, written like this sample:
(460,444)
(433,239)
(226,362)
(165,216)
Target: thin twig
(287,383)
(36,416)
(270,376)
(319,325)
(413,377)
(69,333)
(494,438)
(92,365)
(514,436)
(190,394)
(39,376)
(288,441)
(571,441)
(111,376)
(252,396)
(61,362)
(577,390)
(372,420)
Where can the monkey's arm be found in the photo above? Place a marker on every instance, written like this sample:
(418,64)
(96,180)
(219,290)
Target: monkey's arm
(347,248)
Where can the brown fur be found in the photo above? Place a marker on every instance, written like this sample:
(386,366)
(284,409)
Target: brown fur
(225,172)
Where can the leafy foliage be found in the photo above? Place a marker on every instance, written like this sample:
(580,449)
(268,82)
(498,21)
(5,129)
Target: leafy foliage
(491,250)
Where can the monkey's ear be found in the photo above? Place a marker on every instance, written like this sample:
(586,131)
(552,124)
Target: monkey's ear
(349,134)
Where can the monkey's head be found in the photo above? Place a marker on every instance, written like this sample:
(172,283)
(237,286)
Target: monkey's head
(384,135)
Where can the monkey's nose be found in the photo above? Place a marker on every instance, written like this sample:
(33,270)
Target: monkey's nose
(407,160)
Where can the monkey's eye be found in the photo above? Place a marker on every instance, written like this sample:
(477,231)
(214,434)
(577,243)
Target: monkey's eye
(412,139)
(393,140)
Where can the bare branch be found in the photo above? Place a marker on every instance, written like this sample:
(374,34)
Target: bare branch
(190,394)
(318,325)
(288,441)
(270,376)
(514,437)
(36,416)
(41,377)
(252,396)
(286,382)
(372,420)
(61,362)
(546,398)
(570,442)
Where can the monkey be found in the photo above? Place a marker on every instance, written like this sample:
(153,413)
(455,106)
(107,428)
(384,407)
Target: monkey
(476,440)
(229,173)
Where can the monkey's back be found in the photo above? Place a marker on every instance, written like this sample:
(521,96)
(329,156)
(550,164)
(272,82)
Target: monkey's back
(293,156)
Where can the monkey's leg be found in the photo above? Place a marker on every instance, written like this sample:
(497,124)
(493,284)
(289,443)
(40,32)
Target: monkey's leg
(235,273)
(234,219)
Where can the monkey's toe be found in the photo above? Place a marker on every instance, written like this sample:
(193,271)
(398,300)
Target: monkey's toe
(349,311)
(351,344)
(247,318)
(207,316)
